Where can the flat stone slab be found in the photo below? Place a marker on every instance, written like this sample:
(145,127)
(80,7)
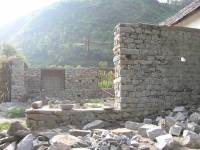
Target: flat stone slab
(143,129)
(95,125)
(179,109)
(155,132)
(123,131)
(175,130)
(164,142)
(76,132)
(43,111)
(133,125)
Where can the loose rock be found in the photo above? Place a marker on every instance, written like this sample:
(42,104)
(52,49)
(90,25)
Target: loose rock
(164,142)
(26,143)
(133,125)
(76,132)
(143,129)
(179,109)
(175,130)
(194,117)
(155,132)
(147,121)
(95,124)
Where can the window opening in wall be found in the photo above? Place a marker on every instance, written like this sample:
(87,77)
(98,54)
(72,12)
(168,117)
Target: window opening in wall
(183,59)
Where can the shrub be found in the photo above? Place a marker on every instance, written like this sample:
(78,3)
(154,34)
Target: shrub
(16,112)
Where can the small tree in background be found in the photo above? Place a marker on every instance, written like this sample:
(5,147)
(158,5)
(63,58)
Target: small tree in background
(8,50)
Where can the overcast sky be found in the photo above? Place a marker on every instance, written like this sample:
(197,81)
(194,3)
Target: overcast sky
(10,10)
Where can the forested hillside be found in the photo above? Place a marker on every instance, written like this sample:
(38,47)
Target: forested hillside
(80,32)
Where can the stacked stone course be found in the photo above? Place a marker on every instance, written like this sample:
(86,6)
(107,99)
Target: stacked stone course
(79,84)
(155,67)
(18,89)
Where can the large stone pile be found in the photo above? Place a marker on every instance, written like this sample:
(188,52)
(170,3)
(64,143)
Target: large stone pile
(179,129)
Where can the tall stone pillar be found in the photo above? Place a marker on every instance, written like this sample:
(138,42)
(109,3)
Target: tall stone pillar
(18,90)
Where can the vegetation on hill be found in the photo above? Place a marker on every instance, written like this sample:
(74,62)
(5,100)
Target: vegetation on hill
(80,32)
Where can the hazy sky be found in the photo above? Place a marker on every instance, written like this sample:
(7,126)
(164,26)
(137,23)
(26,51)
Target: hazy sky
(10,10)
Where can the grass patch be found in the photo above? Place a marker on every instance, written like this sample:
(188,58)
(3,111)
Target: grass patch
(95,100)
(4,125)
(105,84)
(16,112)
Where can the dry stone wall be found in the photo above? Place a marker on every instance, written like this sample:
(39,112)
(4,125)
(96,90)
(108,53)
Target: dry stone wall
(18,90)
(155,67)
(52,118)
(33,82)
(79,84)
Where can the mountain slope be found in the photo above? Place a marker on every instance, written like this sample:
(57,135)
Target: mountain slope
(58,34)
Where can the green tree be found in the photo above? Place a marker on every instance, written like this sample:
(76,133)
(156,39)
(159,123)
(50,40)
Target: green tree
(8,50)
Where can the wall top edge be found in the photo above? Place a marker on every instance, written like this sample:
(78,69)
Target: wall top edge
(154,26)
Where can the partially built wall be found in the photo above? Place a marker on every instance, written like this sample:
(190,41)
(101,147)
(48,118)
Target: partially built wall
(75,84)
(70,84)
(156,67)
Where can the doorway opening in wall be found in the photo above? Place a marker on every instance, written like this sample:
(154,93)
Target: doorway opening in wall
(52,82)
(105,80)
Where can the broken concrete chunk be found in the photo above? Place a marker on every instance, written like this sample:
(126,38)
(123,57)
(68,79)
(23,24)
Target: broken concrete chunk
(11,146)
(191,141)
(143,147)
(180,116)
(147,121)
(155,132)
(193,127)
(26,143)
(179,109)
(133,125)
(164,142)
(189,133)
(123,131)
(97,124)
(175,130)
(65,141)
(134,143)
(143,129)
(194,117)
(182,124)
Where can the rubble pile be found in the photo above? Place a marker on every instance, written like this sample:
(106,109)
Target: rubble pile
(180,129)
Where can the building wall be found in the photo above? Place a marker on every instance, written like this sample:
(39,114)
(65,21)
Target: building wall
(31,83)
(192,21)
(80,84)
(18,90)
(155,67)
